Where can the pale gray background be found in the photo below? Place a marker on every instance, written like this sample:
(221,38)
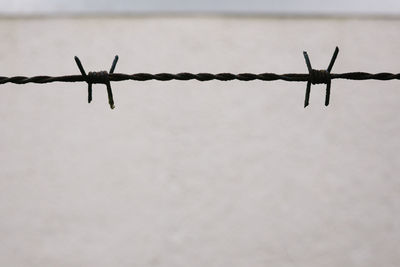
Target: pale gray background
(312,7)
(199,174)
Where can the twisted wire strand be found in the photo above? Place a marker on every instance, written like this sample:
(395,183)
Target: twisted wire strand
(103,77)
(185,76)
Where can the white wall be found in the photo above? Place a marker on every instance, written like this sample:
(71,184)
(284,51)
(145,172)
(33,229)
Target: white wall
(199,174)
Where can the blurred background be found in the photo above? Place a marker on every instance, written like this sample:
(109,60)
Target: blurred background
(199,173)
(291,7)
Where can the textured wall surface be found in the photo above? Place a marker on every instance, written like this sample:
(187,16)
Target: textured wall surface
(199,174)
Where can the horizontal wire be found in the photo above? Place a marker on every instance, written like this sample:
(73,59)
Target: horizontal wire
(185,76)
(103,77)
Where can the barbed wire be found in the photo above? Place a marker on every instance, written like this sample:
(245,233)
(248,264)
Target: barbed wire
(103,77)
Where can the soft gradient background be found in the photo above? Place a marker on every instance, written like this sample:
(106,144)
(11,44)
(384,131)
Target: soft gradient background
(199,173)
(294,7)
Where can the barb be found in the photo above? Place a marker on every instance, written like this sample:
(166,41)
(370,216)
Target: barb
(98,77)
(103,77)
(319,76)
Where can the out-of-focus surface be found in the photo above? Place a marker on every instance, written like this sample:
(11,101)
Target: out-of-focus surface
(199,174)
(337,7)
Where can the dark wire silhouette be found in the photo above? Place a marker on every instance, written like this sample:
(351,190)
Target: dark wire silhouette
(103,77)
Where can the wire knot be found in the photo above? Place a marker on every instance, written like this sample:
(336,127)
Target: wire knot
(98,77)
(319,77)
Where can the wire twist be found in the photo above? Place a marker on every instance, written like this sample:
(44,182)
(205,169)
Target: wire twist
(103,77)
